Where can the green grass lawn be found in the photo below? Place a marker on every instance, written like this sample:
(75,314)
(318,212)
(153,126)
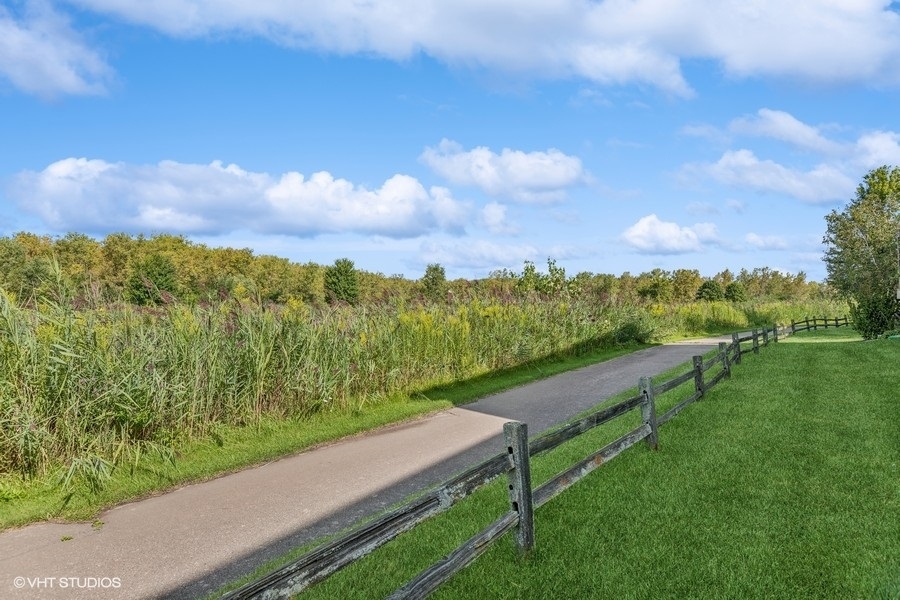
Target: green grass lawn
(783,482)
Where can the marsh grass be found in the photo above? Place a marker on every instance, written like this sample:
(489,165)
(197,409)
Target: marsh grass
(89,391)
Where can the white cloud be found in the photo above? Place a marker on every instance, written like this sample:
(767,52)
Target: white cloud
(878,148)
(787,128)
(495,220)
(766,242)
(77,194)
(533,177)
(613,42)
(741,168)
(650,235)
(832,180)
(41,54)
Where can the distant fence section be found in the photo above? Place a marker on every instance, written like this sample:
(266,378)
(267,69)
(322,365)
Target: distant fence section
(815,323)
(514,463)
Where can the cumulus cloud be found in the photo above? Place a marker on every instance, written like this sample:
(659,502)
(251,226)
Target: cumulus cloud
(650,235)
(843,161)
(533,177)
(610,42)
(78,194)
(878,148)
(41,54)
(494,218)
(741,168)
(787,128)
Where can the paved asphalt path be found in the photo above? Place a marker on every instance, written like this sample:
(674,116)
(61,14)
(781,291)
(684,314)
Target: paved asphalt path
(191,541)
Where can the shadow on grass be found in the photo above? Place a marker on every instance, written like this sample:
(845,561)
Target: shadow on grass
(825,336)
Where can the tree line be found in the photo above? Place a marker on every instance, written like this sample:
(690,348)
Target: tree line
(167,268)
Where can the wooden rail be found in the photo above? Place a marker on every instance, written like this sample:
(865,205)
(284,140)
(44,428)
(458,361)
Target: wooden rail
(320,562)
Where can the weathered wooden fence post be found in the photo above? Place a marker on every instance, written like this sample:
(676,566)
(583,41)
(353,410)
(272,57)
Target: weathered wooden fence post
(736,341)
(793,327)
(520,498)
(756,341)
(765,333)
(775,332)
(648,411)
(726,364)
(698,376)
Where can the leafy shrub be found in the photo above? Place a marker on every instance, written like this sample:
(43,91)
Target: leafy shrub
(872,316)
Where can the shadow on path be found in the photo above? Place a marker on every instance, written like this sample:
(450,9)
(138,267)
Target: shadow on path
(540,404)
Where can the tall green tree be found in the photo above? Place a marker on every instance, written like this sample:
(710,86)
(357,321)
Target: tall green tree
(685,283)
(735,292)
(656,286)
(79,257)
(342,282)
(862,252)
(434,282)
(711,290)
(117,256)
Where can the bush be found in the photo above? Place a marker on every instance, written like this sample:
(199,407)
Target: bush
(872,316)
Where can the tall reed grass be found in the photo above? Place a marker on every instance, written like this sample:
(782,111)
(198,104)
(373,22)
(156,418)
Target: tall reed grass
(83,390)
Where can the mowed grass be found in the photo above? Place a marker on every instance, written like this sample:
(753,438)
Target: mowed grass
(783,482)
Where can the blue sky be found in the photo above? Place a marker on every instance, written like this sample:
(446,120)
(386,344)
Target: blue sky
(611,136)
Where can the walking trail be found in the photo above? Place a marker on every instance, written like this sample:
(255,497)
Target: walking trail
(189,542)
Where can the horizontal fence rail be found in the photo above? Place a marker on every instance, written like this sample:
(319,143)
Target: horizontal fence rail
(332,556)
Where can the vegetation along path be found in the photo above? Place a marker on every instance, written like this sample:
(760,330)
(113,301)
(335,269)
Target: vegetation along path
(189,542)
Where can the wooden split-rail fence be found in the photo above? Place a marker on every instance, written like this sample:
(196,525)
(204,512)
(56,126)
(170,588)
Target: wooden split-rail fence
(332,556)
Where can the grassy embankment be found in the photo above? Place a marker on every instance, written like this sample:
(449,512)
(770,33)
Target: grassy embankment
(781,483)
(106,404)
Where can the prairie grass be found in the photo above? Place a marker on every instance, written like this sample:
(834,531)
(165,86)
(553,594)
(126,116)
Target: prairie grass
(780,483)
(699,318)
(86,390)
